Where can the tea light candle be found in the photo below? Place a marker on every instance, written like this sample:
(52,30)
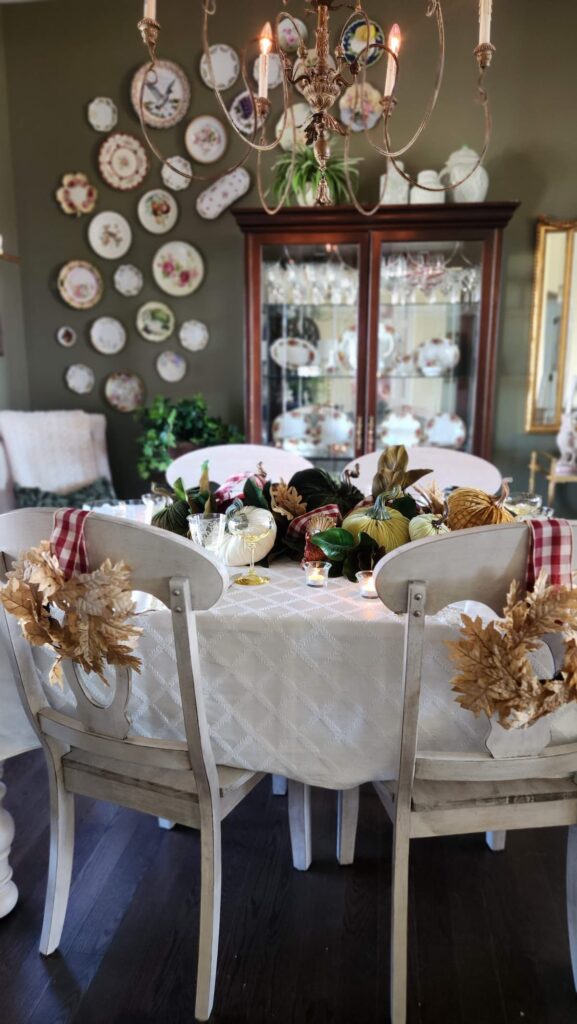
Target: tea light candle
(316,573)
(367,582)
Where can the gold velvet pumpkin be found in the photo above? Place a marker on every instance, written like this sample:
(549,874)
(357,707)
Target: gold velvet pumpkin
(385,525)
(470,507)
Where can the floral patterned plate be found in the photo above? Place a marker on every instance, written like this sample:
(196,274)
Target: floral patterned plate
(225,67)
(289,38)
(155,321)
(445,430)
(171,366)
(225,191)
(102,114)
(80,284)
(298,114)
(166,94)
(242,114)
(193,335)
(400,426)
(66,336)
(157,211)
(122,161)
(108,335)
(205,139)
(79,379)
(292,353)
(360,106)
(170,175)
(76,195)
(128,279)
(124,391)
(110,235)
(355,42)
(178,268)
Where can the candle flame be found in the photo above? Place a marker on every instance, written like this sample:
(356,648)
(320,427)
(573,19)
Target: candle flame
(394,40)
(265,39)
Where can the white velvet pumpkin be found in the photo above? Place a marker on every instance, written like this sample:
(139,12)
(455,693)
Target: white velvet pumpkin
(234,551)
(427,525)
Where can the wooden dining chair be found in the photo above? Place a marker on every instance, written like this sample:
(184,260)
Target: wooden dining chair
(449,468)
(439,794)
(226,460)
(90,752)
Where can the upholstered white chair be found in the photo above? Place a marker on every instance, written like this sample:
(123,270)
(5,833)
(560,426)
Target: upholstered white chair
(449,469)
(229,459)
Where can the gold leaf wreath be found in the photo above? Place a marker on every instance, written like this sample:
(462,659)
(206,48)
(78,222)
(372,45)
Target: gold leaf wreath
(495,675)
(91,629)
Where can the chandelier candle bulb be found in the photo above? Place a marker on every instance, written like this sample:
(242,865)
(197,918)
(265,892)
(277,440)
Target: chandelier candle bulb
(265,45)
(150,9)
(394,44)
(485,9)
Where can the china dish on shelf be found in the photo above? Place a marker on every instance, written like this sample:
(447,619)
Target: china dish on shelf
(124,391)
(122,161)
(110,235)
(290,137)
(171,366)
(128,279)
(437,356)
(296,430)
(242,114)
(169,172)
(178,268)
(157,211)
(155,321)
(205,139)
(108,335)
(403,366)
(388,342)
(193,335)
(214,200)
(400,426)
(293,353)
(360,106)
(289,36)
(445,431)
(80,284)
(225,67)
(356,38)
(102,114)
(165,96)
(66,336)
(275,74)
(79,378)
(76,195)
(335,427)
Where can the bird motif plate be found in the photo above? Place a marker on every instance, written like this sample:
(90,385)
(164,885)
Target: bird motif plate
(193,335)
(171,176)
(102,114)
(128,279)
(108,335)
(178,268)
(224,66)
(357,37)
(80,284)
(205,139)
(292,353)
(157,211)
(79,378)
(155,321)
(76,195)
(110,235)
(122,162)
(165,94)
(124,391)
(171,366)
(360,106)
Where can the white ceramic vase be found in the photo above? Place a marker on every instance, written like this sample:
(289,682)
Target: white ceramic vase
(422,195)
(459,164)
(393,188)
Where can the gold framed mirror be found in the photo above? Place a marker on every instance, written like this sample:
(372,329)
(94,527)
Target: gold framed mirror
(553,355)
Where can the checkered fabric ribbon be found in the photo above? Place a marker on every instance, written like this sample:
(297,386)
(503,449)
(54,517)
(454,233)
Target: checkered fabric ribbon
(550,548)
(67,540)
(298,526)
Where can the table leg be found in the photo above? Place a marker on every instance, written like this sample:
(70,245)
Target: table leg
(8,890)
(279,785)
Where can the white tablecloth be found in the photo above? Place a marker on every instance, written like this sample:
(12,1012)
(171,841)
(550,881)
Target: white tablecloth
(298,681)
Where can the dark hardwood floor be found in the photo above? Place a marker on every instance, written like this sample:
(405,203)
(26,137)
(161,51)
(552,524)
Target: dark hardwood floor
(488,935)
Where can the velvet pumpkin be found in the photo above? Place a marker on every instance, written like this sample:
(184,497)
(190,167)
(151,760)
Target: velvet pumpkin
(386,526)
(235,551)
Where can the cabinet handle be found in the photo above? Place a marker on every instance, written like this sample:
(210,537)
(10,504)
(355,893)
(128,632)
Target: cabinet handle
(359,433)
(371,437)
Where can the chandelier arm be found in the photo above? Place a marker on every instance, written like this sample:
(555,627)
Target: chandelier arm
(272,210)
(350,187)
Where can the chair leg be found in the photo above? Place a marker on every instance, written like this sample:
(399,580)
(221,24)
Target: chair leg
(299,808)
(399,925)
(572,897)
(60,863)
(210,888)
(496,840)
(347,819)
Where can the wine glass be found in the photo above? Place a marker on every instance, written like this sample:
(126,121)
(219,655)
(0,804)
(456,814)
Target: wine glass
(251,529)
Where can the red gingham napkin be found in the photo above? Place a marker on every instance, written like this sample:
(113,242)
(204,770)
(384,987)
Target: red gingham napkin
(550,548)
(67,540)
(298,526)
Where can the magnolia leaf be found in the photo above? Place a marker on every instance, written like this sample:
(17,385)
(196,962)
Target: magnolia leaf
(253,495)
(334,543)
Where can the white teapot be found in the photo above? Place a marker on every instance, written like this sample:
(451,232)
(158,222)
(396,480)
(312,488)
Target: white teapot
(459,164)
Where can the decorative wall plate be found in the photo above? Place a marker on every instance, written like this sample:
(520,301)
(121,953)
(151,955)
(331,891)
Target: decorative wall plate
(157,211)
(155,321)
(355,40)
(178,268)
(66,336)
(122,161)
(128,279)
(225,67)
(193,335)
(215,199)
(79,378)
(360,106)
(102,114)
(275,73)
(446,431)
(205,139)
(166,94)
(242,113)
(292,353)
(76,195)
(289,39)
(171,366)
(298,114)
(171,178)
(400,426)
(108,335)
(110,235)
(124,391)
(80,284)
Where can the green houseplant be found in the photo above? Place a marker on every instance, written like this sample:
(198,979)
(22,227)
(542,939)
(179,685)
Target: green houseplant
(167,423)
(304,177)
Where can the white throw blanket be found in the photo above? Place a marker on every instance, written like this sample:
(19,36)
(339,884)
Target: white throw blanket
(51,450)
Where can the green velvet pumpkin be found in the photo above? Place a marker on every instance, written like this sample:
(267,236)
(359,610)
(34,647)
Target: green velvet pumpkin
(385,525)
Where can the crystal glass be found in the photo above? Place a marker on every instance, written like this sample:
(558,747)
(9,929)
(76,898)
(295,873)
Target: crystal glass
(367,582)
(207,529)
(316,573)
(524,504)
(154,503)
(250,531)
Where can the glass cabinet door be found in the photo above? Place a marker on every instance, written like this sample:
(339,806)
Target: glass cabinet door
(310,362)
(429,303)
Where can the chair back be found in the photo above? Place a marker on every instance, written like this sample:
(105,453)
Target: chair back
(226,460)
(449,468)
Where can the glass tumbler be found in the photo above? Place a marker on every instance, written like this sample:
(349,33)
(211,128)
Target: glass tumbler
(207,529)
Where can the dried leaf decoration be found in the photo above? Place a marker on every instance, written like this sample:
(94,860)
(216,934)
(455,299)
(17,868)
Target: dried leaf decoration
(83,619)
(495,675)
(286,500)
(393,471)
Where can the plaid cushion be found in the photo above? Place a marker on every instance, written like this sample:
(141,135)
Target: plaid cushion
(67,541)
(550,548)
(298,526)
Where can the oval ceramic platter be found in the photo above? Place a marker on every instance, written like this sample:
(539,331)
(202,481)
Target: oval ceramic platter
(79,378)
(171,366)
(80,284)
(292,353)
(108,335)
(124,391)
(165,94)
(171,176)
(206,139)
(76,195)
(128,279)
(178,268)
(122,161)
(355,42)
(155,321)
(102,114)
(157,211)
(110,235)
(215,199)
(224,66)
(193,335)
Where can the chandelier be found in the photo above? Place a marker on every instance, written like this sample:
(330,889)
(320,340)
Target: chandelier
(322,76)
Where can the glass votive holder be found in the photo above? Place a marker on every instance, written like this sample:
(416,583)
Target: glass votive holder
(207,529)
(524,504)
(154,503)
(367,582)
(317,573)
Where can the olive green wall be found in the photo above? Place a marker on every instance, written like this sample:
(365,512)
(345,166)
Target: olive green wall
(63,53)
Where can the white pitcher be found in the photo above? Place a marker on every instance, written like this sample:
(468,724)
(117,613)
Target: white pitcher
(421,195)
(459,164)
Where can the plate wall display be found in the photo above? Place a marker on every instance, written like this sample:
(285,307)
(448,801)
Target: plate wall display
(215,199)
(178,268)
(356,38)
(205,139)
(193,335)
(124,391)
(360,106)
(242,114)
(102,114)
(165,96)
(110,235)
(400,426)
(80,284)
(122,162)
(289,39)
(79,378)
(171,366)
(76,195)
(170,176)
(298,115)
(155,321)
(292,353)
(66,336)
(275,73)
(157,211)
(445,431)
(225,67)
(108,335)
(128,279)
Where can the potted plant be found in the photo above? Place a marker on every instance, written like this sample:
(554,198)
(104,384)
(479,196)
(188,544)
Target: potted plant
(304,175)
(172,427)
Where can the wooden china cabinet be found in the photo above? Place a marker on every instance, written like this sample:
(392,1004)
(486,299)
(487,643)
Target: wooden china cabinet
(362,332)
